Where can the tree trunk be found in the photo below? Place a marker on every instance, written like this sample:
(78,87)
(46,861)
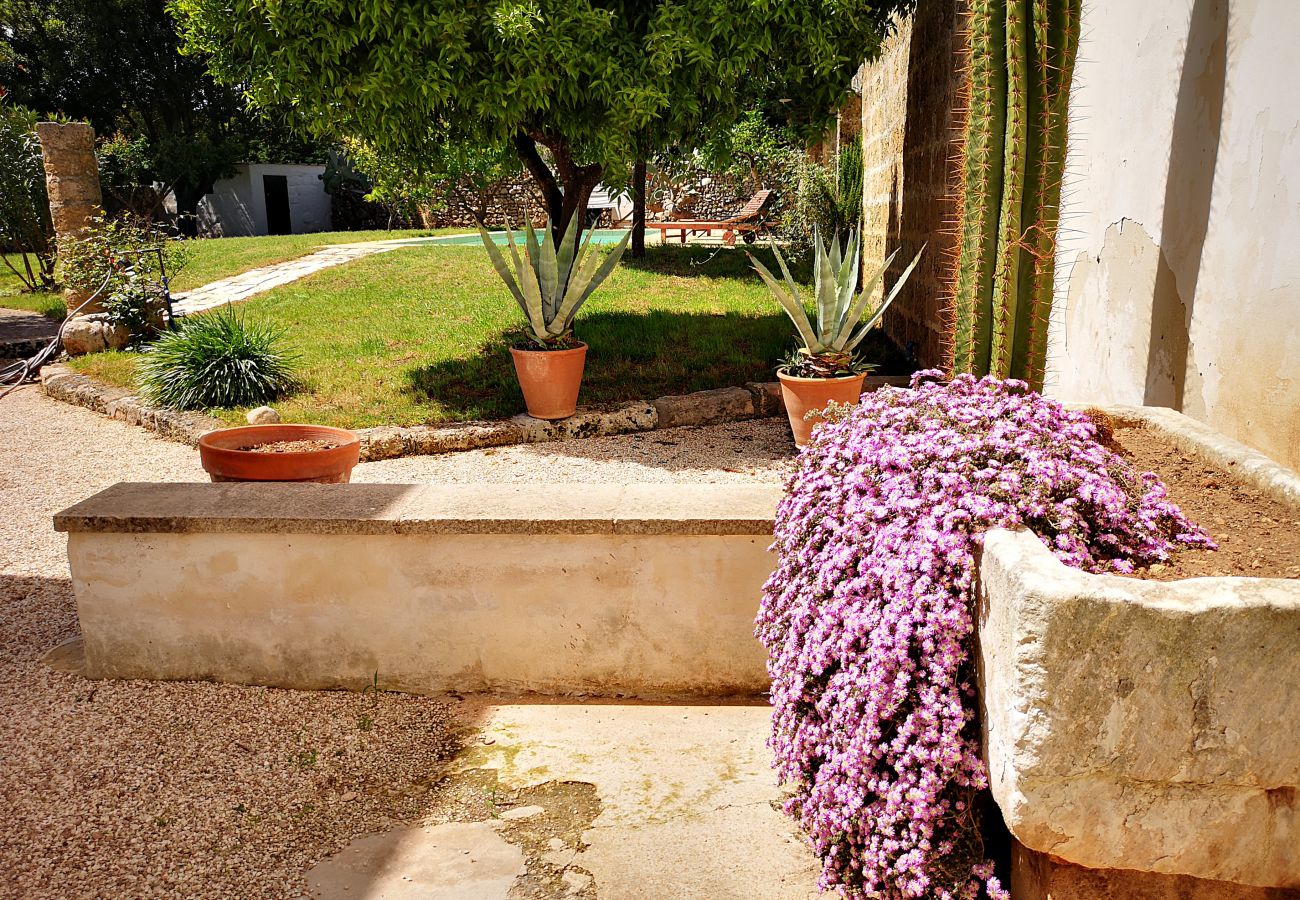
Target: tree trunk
(187,206)
(638,209)
(567,190)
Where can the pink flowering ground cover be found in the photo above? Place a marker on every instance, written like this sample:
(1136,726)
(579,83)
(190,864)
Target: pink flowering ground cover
(868,621)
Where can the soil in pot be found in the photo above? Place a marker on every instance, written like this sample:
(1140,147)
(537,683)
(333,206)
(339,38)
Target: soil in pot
(1258,536)
(289,446)
(550,380)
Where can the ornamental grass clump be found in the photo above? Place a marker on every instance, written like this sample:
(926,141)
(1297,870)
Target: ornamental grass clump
(217,360)
(867,619)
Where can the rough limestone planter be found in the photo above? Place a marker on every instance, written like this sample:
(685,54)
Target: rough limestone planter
(1145,726)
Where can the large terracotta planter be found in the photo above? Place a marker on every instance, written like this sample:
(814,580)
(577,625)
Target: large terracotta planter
(550,380)
(805,395)
(223,460)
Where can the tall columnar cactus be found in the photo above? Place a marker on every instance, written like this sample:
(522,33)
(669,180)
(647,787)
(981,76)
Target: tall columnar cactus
(1021,61)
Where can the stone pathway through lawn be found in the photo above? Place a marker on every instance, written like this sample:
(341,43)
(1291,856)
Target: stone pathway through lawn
(238,288)
(150,789)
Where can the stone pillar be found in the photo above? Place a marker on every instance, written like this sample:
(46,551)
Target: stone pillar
(72,182)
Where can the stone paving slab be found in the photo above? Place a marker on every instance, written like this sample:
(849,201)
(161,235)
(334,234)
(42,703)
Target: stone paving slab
(686,807)
(240,287)
(23,333)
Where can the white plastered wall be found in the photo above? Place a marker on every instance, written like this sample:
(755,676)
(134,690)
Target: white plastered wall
(1178,279)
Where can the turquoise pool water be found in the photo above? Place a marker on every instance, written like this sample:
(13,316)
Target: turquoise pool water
(600,236)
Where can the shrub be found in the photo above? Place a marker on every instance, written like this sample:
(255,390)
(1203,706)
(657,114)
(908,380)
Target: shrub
(217,360)
(137,305)
(107,250)
(867,619)
(25,227)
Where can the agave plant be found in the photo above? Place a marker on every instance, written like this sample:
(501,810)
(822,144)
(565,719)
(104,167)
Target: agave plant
(831,336)
(550,284)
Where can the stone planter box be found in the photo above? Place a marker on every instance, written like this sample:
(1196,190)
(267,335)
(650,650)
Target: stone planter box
(1140,727)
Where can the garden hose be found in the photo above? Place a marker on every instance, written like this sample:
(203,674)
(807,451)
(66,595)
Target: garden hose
(24,371)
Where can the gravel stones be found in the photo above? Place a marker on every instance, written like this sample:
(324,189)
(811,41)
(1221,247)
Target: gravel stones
(147,789)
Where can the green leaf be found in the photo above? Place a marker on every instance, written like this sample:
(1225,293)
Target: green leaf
(499,263)
(532,292)
(548,275)
(790,303)
(824,289)
(564,259)
(580,289)
(844,329)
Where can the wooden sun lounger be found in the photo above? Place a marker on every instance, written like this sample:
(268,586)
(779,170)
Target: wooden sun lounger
(747,221)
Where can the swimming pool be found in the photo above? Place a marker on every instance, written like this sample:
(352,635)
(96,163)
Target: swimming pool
(600,236)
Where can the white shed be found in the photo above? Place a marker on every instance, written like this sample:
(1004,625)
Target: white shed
(263,198)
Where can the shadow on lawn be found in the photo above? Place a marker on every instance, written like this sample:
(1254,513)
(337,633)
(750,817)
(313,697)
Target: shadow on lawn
(699,261)
(634,356)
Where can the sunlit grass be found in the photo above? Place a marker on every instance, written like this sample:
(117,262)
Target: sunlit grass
(417,335)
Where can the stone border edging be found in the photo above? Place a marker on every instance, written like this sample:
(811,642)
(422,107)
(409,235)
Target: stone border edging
(62,383)
(756,400)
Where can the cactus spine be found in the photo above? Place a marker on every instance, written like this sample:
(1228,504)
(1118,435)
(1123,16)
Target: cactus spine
(1021,62)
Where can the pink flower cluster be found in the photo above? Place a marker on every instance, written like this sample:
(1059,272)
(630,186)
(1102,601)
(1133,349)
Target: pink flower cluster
(867,619)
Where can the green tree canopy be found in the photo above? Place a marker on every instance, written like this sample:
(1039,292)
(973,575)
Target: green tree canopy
(116,64)
(578,88)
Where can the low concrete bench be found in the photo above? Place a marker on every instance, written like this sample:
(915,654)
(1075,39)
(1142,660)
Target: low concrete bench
(638,590)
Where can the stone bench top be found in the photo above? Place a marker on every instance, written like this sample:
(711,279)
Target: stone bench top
(718,509)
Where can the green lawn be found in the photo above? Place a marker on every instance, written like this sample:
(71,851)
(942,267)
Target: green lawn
(416,335)
(214,258)
(12,295)
(211,259)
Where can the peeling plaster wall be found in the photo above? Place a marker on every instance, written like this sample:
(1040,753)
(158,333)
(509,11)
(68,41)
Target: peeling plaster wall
(1178,280)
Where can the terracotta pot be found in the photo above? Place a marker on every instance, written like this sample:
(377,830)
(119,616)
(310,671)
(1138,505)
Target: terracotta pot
(804,395)
(550,379)
(224,461)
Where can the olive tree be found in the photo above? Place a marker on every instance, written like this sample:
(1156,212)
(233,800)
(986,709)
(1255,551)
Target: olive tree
(578,89)
(26,234)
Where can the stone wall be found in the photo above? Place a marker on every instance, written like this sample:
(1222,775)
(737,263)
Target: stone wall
(699,195)
(617,590)
(510,200)
(911,100)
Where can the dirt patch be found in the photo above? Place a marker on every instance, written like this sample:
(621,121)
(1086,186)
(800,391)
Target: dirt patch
(290,447)
(1257,535)
(546,821)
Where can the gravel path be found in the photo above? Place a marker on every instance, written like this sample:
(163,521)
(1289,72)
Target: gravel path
(138,789)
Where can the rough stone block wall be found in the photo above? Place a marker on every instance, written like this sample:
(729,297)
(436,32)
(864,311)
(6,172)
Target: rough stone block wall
(72,185)
(911,102)
(511,200)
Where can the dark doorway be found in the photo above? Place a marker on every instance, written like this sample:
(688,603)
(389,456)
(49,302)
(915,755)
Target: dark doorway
(276,188)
